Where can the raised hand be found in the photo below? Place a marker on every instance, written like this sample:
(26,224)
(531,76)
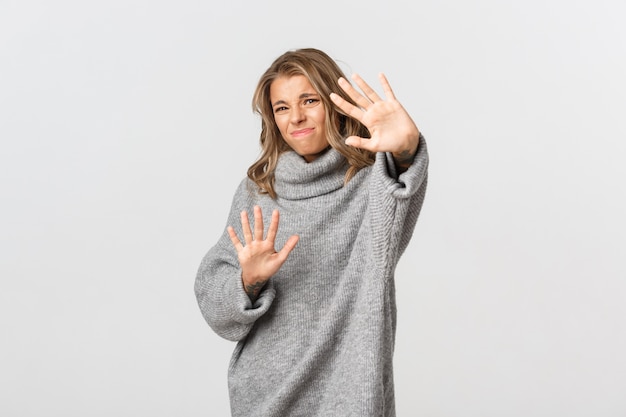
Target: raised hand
(258,258)
(390,126)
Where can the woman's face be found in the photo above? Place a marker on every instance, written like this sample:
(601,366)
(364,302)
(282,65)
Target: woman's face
(299,115)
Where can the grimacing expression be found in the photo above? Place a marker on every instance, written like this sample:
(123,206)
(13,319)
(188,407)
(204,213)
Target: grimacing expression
(299,115)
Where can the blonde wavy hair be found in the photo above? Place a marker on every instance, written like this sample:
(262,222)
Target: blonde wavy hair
(323,73)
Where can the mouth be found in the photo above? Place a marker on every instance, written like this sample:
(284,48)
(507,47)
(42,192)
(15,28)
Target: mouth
(301,132)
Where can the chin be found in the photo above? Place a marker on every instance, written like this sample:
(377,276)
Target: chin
(311,156)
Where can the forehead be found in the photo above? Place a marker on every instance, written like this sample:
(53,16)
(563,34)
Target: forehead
(290,87)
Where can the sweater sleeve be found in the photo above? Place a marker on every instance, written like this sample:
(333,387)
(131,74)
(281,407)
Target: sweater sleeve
(395,204)
(218,287)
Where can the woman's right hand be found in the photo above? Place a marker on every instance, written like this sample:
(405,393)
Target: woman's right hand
(258,258)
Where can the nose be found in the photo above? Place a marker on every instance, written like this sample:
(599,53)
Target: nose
(297,115)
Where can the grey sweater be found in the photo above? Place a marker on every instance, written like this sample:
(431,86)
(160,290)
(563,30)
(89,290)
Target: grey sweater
(319,340)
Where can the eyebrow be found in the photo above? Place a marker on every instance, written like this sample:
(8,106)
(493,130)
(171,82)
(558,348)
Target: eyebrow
(303,95)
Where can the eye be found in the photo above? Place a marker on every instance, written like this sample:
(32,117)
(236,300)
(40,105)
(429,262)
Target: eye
(310,101)
(280,109)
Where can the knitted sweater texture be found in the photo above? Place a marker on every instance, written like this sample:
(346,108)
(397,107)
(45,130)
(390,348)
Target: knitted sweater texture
(319,339)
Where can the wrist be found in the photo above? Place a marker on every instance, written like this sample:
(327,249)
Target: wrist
(253,287)
(253,290)
(404,158)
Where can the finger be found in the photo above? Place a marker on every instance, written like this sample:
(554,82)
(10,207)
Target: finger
(245,226)
(362,143)
(289,246)
(273,229)
(233,238)
(347,107)
(386,87)
(258,223)
(358,98)
(369,91)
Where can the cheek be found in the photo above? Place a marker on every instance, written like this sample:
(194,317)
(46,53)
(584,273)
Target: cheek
(321,117)
(280,123)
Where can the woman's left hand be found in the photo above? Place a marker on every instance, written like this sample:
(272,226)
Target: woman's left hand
(390,126)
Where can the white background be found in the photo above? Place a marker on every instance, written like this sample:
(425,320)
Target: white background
(126,125)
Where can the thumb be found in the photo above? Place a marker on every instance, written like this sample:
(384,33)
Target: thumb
(289,246)
(359,142)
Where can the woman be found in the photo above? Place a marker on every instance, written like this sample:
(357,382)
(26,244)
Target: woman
(315,321)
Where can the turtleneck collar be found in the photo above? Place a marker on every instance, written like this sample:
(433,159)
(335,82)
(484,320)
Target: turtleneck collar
(296,179)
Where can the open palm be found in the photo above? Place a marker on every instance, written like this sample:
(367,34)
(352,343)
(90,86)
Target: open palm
(390,126)
(257,255)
